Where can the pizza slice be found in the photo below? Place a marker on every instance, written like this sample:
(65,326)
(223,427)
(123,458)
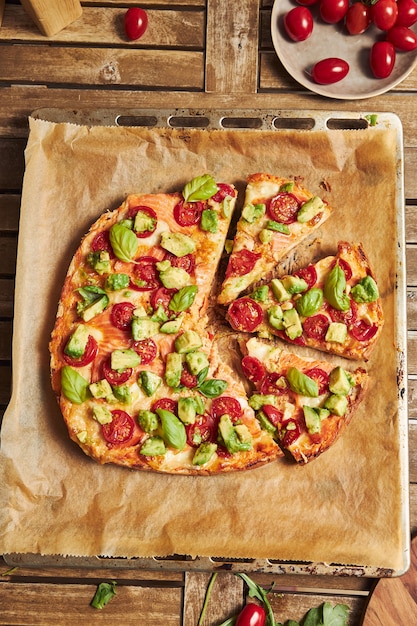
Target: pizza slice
(332,305)
(278,214)
(134,369)
(304,403)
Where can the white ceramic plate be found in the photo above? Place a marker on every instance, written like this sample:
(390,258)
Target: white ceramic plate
(333,40)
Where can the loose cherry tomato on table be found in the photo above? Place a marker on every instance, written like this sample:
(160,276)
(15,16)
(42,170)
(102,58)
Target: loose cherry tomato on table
(402,38)
(407,13)
(332,11)
(329,70)
(298,23)
(251,615)
(358,18)
(135,23)
(382,59)
(384,14)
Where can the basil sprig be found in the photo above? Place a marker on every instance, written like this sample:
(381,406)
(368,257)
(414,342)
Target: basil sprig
(123,242)
(173,430)
(183,299)
(310,302)
(212,387)
(74,386)
(301,383)
(200,188)
(334,289)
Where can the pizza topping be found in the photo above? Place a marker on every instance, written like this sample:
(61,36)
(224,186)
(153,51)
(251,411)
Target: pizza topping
(301,383)
(115,282)
(101,389)
(188,213)
(339,382)
(336,332)
(120,429)
(334,289)
(253,368)
(320,377)
(204,453)
(308,274)
(362,330)
(310,302)
(153,446)
(209,221)
(122,359)
(226,405)
(242,262)
(121,315)
(310,209)
(200,188)
(186,262)
(336,404)
(235,438)
(148,421)
(253,212)
(101,242)
(146,349)
(99,261)
(145,220)
(183,299)
(187,410)
(177,244)
(197,362)
(316,326)
(224,191)
(73,385)
(283,208)
(365,290)
(145,276)
(94,301)
(276,226)
(292,324)
(115,376)
(80,349)
(124,242)
(173,430)
(149,381)
(245,314)
(273,383)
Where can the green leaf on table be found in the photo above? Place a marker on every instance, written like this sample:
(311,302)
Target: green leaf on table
(104,593)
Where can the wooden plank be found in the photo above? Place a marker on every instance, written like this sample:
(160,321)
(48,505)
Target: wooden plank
(5,340)
(154,3)
(8,251)
(102,66)
(6,297)
(232,33)
(411,261)
(411,223)
(5,383)
(412,308)
(412,398)
(69,604)
(104,26)
(9,212)
(412,353)
(12,160)
(226,598)
(2,3)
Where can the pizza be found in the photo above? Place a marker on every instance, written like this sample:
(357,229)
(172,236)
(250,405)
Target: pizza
(304,403)
(278,214)
(332,305)
(143,367)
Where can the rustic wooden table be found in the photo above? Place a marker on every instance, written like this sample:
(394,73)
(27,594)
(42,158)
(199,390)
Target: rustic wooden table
(195,54)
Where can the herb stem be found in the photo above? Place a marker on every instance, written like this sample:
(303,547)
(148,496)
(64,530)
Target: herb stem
(206,599)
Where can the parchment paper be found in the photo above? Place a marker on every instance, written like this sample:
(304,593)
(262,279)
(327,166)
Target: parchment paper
(345,507)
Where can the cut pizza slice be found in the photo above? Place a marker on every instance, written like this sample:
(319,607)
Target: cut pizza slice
(278,214)
(333,306)
(304,403)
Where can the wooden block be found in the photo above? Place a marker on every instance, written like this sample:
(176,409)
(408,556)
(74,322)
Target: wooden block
(51,17)
(2,3)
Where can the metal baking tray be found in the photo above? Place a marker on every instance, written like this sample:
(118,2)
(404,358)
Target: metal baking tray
(258,119)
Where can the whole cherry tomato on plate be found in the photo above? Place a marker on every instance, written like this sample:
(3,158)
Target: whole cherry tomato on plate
(329,70)
(407,13)
(382,59)
(332,11)
(135,22)
(251,615)
(298,23)
(358,18)
(384,14)
(402,38)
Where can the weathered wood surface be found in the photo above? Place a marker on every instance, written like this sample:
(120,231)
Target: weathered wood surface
(199,55)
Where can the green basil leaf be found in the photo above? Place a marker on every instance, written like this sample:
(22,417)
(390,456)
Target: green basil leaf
(301,383)
(89,294)
(200,188)
(212,388)
(124,242)
(173,430)
(334,289)
(104,593)
(74,386)
(202,375)
(183,299)
(310,302)
(365,290)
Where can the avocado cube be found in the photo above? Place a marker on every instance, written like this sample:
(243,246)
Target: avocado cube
(149,382)
(187,410)
(336,404)
(337,332)
(174,278)
(279,291)
(294,284)
(94,309)
(77,343)
(154,446)
(100,389)
(148,420)
(204,453)
(312,419)
(188,341)
(339,382)
(275,317)
(310,209)
(177,243)
(102,414)
(173,369)
(292,323)
(123,359)
(142,328)
(196,361)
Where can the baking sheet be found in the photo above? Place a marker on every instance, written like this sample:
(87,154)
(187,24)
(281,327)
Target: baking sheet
(351,505)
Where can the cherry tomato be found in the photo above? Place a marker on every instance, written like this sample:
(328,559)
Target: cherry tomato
(402,38)
(204,429)
(161,297)
(346,317)
(241,262)
(223,192)
(407,13)
(283,208)
(146,349)
(245,315)
(188,213)
(90,353)
(253,368)
(329,71)
(145,275)
(226,405)
(115,377)
(298,23)
(273,414)
(149,212)
(344,265)
(382,59)
(332,11)
(251,615)
(169,404)
(316,326)
(362,331)
(121,315)
(291,434)
(269,384)
(101,242)
(186,262)
(358,18)
(320,377)
(135,23)
(384,14)
(187,379)
(308,274)
(120,429)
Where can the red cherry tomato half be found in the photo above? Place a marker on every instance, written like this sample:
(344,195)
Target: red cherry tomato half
(101,242)
(283,208)
(273,414)
(291,434)
(90,353)
(188,213)
(115,377)
(226,405)
(320,377)
(253,369)
(346,317)
(298,23)
(147,210)
(165,403)
(135,23)
(308,274)
(402,38)
(161,298)
(407,13)
(251,615)
(328,71)
(358,18)
(269,384)
(146,349)
(316,326)
(362,331)
(382,59)
(384,14)
(120,429)
(245,315)
(332,11)
(145,275)
(241,262)
(187,379)
(186,262)
(223,191)
(121,315)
